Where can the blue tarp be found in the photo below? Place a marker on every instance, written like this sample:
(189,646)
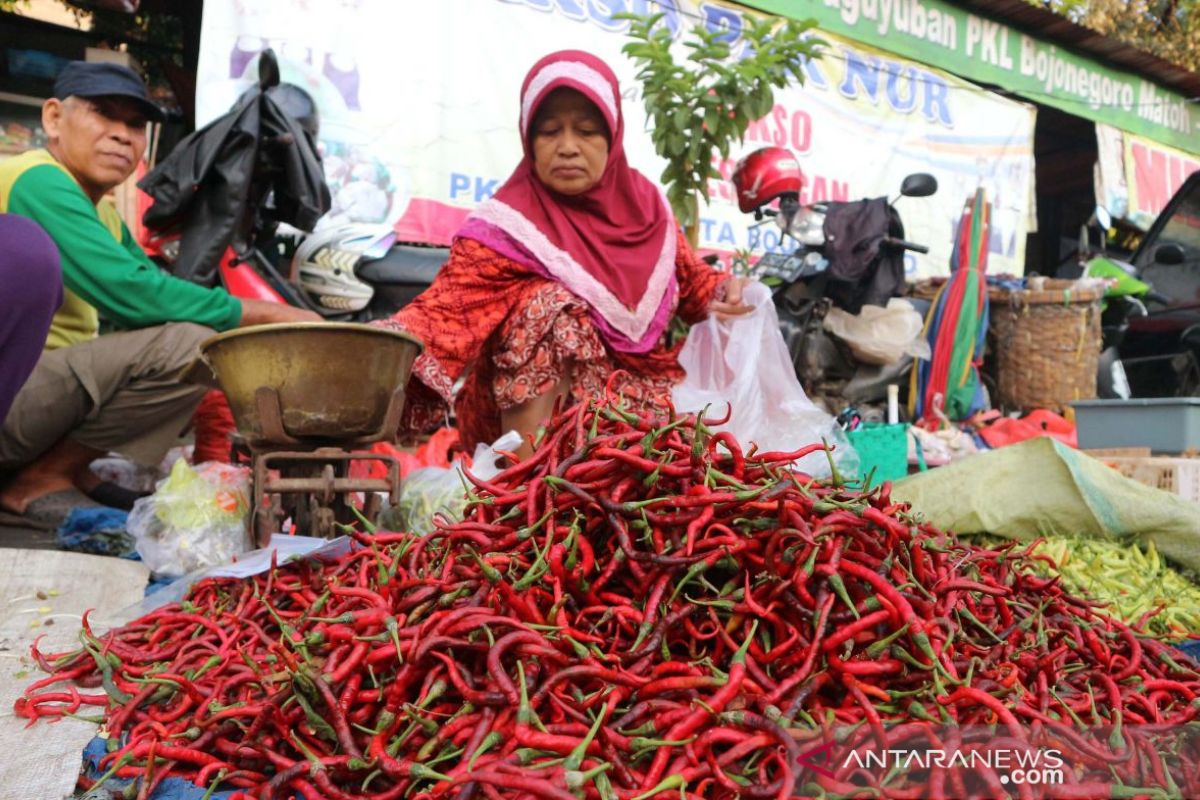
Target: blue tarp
(99,531)
(169,789)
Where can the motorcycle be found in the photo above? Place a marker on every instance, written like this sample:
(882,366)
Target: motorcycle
(845,255)
(1150,341)
(234,204)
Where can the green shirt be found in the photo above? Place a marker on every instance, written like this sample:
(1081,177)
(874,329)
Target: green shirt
(105,273)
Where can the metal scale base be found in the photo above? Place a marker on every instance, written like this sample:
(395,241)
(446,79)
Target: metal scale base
(313,488)
(309,480)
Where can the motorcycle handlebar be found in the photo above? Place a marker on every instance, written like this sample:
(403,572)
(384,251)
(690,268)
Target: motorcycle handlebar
(903,245)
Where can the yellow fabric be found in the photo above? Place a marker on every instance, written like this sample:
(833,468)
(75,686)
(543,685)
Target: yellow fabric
(76,319)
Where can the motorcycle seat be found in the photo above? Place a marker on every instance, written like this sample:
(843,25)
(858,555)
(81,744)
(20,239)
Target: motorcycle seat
(405,264)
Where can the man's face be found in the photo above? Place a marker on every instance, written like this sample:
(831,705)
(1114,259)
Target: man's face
(98,139)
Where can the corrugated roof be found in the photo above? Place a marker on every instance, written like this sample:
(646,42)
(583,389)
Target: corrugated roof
(1047,25)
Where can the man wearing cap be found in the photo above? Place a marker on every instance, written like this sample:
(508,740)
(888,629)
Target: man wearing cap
(121,392)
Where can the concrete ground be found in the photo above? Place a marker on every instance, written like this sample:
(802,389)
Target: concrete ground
(14,532)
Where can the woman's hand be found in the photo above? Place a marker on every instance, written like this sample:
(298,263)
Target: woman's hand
(732,305)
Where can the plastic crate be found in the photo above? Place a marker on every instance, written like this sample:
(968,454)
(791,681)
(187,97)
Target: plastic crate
(882,451)
(1105,453)
(1164,424)
(1179,476)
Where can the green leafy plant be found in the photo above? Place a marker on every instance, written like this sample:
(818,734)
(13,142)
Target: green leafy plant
(742,262)
(703,106)
(1169,29)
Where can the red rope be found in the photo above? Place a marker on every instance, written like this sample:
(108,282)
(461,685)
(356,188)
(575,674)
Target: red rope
(214,428)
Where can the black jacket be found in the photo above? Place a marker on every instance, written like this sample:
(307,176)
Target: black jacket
(861,272)
(214,184)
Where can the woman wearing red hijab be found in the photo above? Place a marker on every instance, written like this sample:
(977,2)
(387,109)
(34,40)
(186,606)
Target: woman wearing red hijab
(573,270)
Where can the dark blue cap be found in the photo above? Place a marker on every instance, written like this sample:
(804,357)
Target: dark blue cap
(100,79)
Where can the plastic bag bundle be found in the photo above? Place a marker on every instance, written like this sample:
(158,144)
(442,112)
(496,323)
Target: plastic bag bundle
(433,492)
(196,518)
(426,493)
(881,335)
(743,361)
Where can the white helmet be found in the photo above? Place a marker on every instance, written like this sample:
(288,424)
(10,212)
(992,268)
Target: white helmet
(326,262)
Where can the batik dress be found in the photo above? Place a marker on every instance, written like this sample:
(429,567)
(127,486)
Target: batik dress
(510,335)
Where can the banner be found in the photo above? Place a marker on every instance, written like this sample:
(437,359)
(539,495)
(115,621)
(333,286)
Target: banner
(1111,189)
(992,52)
(419,107)
(1138,177)
(1153,173)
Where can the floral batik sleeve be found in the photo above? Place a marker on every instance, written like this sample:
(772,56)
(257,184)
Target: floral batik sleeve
(699,283)
(475,291)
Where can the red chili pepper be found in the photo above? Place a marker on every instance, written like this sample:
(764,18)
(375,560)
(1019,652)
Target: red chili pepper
(572,572)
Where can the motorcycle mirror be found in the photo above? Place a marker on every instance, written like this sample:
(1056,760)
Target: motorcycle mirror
(268,69)
(1169,254)
(919,184)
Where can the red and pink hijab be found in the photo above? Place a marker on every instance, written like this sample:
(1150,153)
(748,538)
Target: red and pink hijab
(614,245)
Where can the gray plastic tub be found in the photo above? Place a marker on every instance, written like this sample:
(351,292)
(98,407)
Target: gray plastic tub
(1164,424)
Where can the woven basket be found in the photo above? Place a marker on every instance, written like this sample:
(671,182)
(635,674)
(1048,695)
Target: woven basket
(1046,343)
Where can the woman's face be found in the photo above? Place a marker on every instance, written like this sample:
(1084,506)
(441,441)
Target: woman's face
(569,142)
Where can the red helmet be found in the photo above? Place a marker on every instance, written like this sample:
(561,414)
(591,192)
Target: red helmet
(765,174)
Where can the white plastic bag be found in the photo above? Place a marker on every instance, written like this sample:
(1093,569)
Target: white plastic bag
(879,335)
(744,361)
(441,491)
(485,463)
(939,447)
(196,518)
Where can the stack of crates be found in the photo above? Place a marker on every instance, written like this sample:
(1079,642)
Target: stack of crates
(1179,475)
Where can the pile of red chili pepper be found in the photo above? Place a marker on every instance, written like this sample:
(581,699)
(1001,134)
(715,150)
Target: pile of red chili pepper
(639,609)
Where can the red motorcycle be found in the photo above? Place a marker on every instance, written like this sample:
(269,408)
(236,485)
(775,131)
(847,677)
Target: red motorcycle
(221,197)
